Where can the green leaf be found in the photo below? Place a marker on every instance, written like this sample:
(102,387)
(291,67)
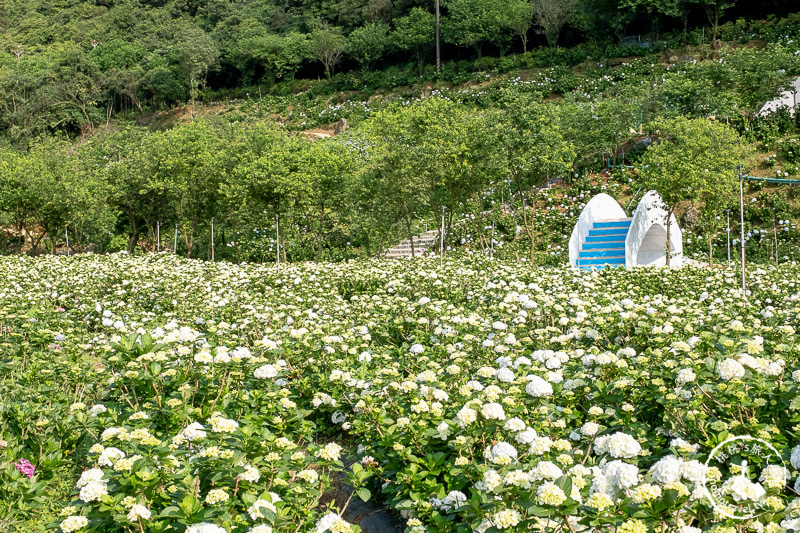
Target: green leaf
(565,484)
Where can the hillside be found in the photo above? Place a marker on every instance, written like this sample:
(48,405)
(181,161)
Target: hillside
(404,150)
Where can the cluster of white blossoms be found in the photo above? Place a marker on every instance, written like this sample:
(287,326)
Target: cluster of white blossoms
(73,523)
(617,445)
(219,424)
(332,523)
(92,484)
(730,369)
(330,452)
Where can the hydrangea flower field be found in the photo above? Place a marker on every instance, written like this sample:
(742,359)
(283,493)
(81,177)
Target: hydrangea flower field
(159,394)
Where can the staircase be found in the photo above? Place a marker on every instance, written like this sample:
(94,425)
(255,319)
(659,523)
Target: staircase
(605,245)
(422,244)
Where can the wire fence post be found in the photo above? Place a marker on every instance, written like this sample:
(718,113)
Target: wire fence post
(212,239)
(175,241)
(775,232)
(491,244)
(741,227)
(441,240)
(66,232)
(278,240)
(158,236)
(728,212)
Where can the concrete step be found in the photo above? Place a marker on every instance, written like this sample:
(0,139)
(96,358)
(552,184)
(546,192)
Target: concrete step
(422,244)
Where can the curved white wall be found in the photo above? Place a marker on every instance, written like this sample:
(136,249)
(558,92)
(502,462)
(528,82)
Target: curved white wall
(601,207)
(786,99)
(645,244)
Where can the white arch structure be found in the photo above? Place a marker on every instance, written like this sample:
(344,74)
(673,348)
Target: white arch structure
(601,207)
(645,243)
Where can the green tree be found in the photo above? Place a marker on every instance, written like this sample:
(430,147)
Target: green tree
(415,33)
(122,67)
(328,44)
(251,48)
(715,10)
(528,147)
(196,53)
(520,18)
(551,15)
(123,160)
(367,43)
(321,185)
(424,157)
(470,23)
(188,163)
(693,161)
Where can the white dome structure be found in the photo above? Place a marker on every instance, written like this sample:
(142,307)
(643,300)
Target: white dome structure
(604,236)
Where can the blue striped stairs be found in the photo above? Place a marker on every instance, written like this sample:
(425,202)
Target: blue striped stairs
(605,245)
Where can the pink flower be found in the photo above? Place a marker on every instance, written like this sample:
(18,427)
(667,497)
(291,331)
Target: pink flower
(25,467)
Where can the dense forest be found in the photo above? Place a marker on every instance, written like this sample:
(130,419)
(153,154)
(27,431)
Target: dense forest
(132,125)
(68,65)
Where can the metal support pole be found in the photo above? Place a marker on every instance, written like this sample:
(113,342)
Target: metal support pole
(158,236)
(741,226)
(212,239)
(441,240)
(728,212)
(66,232)
(491,244)
(278,240)
(438,50)
(775,232)
(175,241)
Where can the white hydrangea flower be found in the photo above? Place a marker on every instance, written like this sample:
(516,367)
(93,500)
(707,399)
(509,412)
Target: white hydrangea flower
(740,488)
(623,475)
(138,511)
(194,431)
(667,469)
(493,411)
(730,369)
(538,387)
(332,522)
(265,372)
(619,445)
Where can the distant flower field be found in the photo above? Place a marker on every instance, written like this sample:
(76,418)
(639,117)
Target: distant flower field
(159,394)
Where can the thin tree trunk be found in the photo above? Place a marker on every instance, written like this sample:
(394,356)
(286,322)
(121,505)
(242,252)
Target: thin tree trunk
(669,242)
(710,250)
(134,235)
(528,229)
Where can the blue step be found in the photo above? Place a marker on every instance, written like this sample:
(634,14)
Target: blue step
(609,231)
(606,238)
(600,267)
(586,254)
(613,224)
(604,246)
(602,261)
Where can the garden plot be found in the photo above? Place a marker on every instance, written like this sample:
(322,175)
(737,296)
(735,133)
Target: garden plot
(162,394)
